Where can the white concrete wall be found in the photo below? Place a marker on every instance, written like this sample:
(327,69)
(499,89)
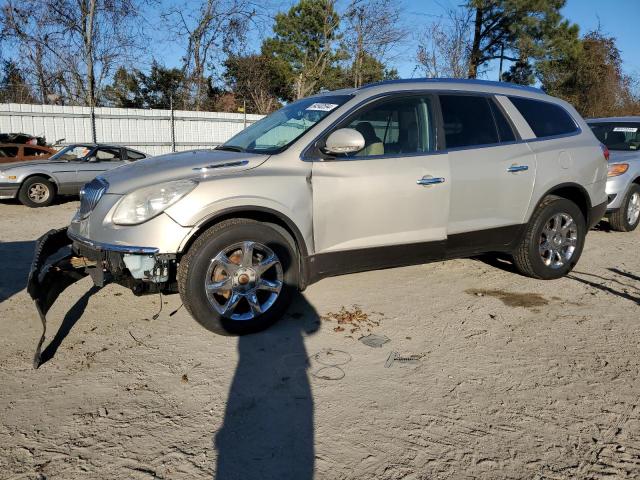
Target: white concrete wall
(145,130)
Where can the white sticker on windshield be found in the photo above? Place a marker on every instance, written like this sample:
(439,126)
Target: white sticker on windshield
(626,129)
(322,107)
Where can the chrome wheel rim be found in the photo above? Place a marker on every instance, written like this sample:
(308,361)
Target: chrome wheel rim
(38,193)
(633,208)
(244,280)
(558,240)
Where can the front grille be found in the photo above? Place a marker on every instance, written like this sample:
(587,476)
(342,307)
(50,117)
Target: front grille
(90,195)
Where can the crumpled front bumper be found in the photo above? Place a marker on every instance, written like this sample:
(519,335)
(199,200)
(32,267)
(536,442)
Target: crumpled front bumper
(49,278)
(62,258)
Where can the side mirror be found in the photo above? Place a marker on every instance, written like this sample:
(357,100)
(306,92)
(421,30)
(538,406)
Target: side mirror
(344,140)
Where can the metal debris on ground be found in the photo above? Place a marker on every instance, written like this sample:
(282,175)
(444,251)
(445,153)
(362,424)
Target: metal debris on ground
(352,320)
(375,341)
(396,357)
(331,361)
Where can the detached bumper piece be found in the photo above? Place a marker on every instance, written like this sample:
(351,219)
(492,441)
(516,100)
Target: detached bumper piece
(49,277)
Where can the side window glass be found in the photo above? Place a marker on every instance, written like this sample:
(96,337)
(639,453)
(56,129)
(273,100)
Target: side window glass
(468,121)
(504,128)
(545,119)
(8,151)
(33,152)
(131,155)
(395,127)
(107,154)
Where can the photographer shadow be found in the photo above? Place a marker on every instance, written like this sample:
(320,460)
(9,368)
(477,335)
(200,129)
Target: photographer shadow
(268,429)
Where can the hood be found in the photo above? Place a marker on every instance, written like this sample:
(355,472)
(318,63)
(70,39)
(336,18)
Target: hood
(12,165)
(616,156)
(177,166)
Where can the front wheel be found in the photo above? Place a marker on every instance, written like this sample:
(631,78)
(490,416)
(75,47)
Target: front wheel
(37,192)
(553,241)
(238,277)
(627,218)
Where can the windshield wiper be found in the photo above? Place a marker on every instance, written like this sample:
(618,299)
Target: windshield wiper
(230,148)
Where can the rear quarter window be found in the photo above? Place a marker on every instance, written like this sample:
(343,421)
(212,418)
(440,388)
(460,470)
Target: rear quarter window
(132,155)
(545,119)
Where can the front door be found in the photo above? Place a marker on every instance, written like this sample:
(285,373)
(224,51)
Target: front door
(387,204)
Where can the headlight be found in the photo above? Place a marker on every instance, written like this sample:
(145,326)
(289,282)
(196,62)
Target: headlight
(144,204)
(617,169)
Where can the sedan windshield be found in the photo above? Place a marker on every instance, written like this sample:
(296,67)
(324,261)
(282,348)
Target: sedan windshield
(72,152)
(618,135)
(276,132)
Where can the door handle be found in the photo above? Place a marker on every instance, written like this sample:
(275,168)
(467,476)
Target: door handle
(430,180)
(517,168)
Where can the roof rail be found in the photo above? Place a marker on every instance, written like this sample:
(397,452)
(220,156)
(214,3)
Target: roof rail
(464,81)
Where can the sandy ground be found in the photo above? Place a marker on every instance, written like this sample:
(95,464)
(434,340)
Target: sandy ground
(511,378)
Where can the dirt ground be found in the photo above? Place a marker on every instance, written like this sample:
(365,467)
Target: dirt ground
(499,376)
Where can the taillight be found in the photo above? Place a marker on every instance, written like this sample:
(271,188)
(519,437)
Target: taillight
(605,151)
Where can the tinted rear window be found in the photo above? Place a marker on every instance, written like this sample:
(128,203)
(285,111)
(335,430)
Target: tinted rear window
(545,119)
(468,121)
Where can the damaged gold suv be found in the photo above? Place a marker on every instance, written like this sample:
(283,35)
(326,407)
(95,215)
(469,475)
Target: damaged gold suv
(390,174)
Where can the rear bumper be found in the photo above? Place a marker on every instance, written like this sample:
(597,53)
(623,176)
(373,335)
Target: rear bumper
(596,214)
(9,190)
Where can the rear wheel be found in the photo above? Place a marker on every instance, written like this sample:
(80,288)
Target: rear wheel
(553,241)
(627,218)
(37,192)
(239,276)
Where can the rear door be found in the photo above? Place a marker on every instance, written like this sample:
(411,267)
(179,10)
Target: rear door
(393,193)
(492,172)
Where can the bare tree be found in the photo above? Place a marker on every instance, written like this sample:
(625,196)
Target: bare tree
(73,45)
(444,47)
(254,78)
(211,29)
(372,30)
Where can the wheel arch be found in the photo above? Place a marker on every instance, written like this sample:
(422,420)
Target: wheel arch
(260,214)
(573,192)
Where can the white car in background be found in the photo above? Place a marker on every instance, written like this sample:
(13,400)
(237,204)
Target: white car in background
(621,136)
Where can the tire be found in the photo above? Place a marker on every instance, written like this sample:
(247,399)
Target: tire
(225,244)
(627,217)
(37,192)
(538,255)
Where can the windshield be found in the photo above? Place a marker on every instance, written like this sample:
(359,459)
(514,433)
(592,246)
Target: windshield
(72,152)
(618,135)
(276,132)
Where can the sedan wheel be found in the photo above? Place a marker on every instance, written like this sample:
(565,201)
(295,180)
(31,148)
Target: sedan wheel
(39,193)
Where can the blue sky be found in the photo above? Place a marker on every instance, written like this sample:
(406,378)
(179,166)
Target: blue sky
(619,18)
